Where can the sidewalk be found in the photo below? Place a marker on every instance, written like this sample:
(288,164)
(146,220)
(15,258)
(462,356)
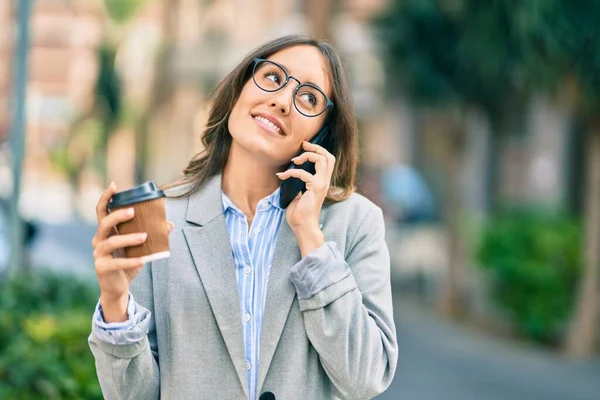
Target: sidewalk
(443,361)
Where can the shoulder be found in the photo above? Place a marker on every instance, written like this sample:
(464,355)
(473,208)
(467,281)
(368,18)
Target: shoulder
(172,193)
(356,205)
(176,201)
(353,211)
(352,220)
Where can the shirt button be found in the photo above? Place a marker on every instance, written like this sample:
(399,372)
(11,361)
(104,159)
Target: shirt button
(257,231)
(247,270)
(248,365)
(246,317)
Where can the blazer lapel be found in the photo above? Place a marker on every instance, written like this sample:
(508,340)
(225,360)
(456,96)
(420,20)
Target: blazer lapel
(211,252)
(280,295)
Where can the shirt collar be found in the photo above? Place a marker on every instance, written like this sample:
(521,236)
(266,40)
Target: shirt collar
(271,200)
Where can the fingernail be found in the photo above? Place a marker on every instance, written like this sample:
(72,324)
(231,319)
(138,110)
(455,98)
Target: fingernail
(143,236)
(130,211)
(112,185)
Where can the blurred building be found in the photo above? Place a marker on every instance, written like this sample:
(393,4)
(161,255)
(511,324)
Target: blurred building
(172,54)
(5,67)
(62,72)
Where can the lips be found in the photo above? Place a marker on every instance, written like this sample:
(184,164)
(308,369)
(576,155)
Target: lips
(271,122)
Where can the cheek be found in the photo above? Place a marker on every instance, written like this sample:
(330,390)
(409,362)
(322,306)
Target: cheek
(239,114)
(306,129)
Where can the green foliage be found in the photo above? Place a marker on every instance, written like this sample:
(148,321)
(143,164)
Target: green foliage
(420,43)
(61,159)
(44,323)
(122,10)
(480,53)
(574,26)
(534,260)
(108,88)
(440,50)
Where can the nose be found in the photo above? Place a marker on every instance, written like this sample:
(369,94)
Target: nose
(282,100)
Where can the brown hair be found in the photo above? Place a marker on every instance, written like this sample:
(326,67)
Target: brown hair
(217,140)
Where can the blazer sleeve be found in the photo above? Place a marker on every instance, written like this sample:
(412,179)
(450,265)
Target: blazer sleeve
(131,331)
(130,371)
(347,309)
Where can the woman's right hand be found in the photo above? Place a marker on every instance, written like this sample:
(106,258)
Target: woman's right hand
(114,271)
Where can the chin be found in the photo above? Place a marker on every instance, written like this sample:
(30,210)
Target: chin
(262,148)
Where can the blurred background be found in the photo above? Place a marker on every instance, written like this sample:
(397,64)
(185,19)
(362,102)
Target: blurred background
(480,138)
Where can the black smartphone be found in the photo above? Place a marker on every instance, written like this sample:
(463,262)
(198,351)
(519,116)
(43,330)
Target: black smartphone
(289,189)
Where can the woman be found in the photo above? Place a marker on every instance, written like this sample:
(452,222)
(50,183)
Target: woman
(256,301)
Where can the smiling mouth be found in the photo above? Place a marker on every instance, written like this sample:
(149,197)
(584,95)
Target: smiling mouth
(269,124)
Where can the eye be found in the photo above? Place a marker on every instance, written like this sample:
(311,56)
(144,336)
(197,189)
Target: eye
(273,76)
(309,98)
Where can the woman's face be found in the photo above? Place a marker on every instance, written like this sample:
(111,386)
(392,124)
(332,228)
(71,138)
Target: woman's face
(247,122)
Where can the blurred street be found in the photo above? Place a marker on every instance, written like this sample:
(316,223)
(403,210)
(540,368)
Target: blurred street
(441,360)
(65,248)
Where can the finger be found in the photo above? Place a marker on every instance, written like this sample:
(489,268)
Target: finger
(319,161)
(101,207)
(114,243)
(108,223)
(308,146)
(170,226)
(106,264)
(310,156)
(301,174)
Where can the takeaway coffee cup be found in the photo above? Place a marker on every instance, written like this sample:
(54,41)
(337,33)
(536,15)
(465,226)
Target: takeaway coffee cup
(149,205)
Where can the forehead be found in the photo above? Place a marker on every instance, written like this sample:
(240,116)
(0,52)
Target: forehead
(305,63)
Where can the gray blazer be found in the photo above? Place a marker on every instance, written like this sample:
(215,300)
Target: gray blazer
(339,343)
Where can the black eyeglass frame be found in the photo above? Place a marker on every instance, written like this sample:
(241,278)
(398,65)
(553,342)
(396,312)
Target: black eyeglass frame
(257,61)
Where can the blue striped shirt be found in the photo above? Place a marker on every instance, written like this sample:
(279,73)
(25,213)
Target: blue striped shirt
(253,253)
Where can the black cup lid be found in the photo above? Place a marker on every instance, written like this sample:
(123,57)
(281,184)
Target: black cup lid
(144,192)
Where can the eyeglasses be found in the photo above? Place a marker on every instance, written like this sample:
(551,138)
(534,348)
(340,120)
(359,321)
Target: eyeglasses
(309,99)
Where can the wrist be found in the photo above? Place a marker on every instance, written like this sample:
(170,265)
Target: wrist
(114,309)
(309,239)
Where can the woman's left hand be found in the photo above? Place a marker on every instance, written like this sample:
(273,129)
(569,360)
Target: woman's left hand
(303,212)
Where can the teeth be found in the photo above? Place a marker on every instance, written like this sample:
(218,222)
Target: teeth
(266,121)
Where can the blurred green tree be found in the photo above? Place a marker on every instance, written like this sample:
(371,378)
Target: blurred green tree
(89,134)
(567,54)
(457,55)
(108,102)
(121,11)
(77,152)
(108,107)
(162,86)
(492,56)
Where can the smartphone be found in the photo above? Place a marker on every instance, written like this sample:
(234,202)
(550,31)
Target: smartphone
(289,189)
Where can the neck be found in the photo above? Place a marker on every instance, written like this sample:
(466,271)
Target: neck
(246,180)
